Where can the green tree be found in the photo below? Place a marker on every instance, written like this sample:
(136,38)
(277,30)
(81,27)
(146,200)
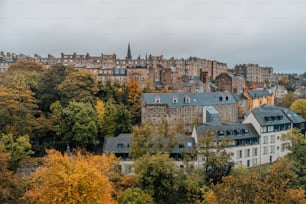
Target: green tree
(18,147)
(109,127)
(79,86)
(299,106)
(287,100)
(214,156)
(141,136)
(47,92)
(135,196)
(156,175)
(79,124)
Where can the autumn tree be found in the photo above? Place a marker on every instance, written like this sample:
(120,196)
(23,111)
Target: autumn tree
(79,86)
(19,148)
(214,156)
(18,109)
(299,106)
(277,184)
(297,154)
(74,179)
(11,187)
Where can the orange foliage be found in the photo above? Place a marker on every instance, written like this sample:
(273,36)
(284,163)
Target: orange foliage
(71,179)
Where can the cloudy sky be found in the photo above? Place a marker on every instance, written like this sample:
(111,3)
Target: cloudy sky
(266,32)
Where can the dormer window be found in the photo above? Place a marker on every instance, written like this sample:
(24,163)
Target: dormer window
(226,98)
(187,99)
(220,98)
(157,99)
(174,99)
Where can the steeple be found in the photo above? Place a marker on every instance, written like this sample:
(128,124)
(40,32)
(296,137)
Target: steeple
(129,55)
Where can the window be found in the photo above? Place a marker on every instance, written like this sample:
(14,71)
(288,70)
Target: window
(272,139)
(270,128)
(187,99)
(248,163)
(189,144)
(157,99)
(181,146)
(246,153)
(254,152)
(272,149)
(265,150)
(254,162)
(239,154)
(119,145)
(265,139)
(174,99)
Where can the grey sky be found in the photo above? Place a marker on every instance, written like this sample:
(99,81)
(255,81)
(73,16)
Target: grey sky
(267,32)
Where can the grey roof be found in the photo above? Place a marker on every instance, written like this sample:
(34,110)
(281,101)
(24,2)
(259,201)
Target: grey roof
(267,110)
(270,115)
(196,99)
(259,93)
(233,131)
(111,143)
(122,144)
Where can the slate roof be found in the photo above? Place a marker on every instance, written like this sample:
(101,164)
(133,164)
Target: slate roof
(196,99)
(111,143)
(233,131)
(183,144)
(267,110)
(259,93)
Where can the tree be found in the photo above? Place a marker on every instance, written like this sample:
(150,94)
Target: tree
(18,147)
(141,136)
(18,110)
(287,100)
(47,92)
(215,159)
(79,125)
(110,117)
(79,86)
(156,175)
(10,184)
(299,106)
(134,91)
(297,155)
(135,196)
(274,185)
(74,179)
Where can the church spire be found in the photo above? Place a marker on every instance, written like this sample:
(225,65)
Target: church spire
(129,55)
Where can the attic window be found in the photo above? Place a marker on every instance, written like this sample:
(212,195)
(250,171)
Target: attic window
(119,145)
(226,98)
(174,99)
(157,99)
(220,98)
(187,99)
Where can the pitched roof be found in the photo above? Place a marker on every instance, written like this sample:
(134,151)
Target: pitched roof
(258,93)
(195,99)
(233,131)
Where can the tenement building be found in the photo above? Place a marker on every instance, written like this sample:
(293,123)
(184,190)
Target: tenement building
(255,73)
(186,108)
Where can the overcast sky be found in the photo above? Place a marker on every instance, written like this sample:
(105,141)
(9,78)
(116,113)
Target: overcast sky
(266,32)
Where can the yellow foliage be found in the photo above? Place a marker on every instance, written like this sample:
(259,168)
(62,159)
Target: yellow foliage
(134,91)
(71,179)
(100,108)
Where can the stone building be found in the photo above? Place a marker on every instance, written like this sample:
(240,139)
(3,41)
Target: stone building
(229,82)
(186,108)
(255,73)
